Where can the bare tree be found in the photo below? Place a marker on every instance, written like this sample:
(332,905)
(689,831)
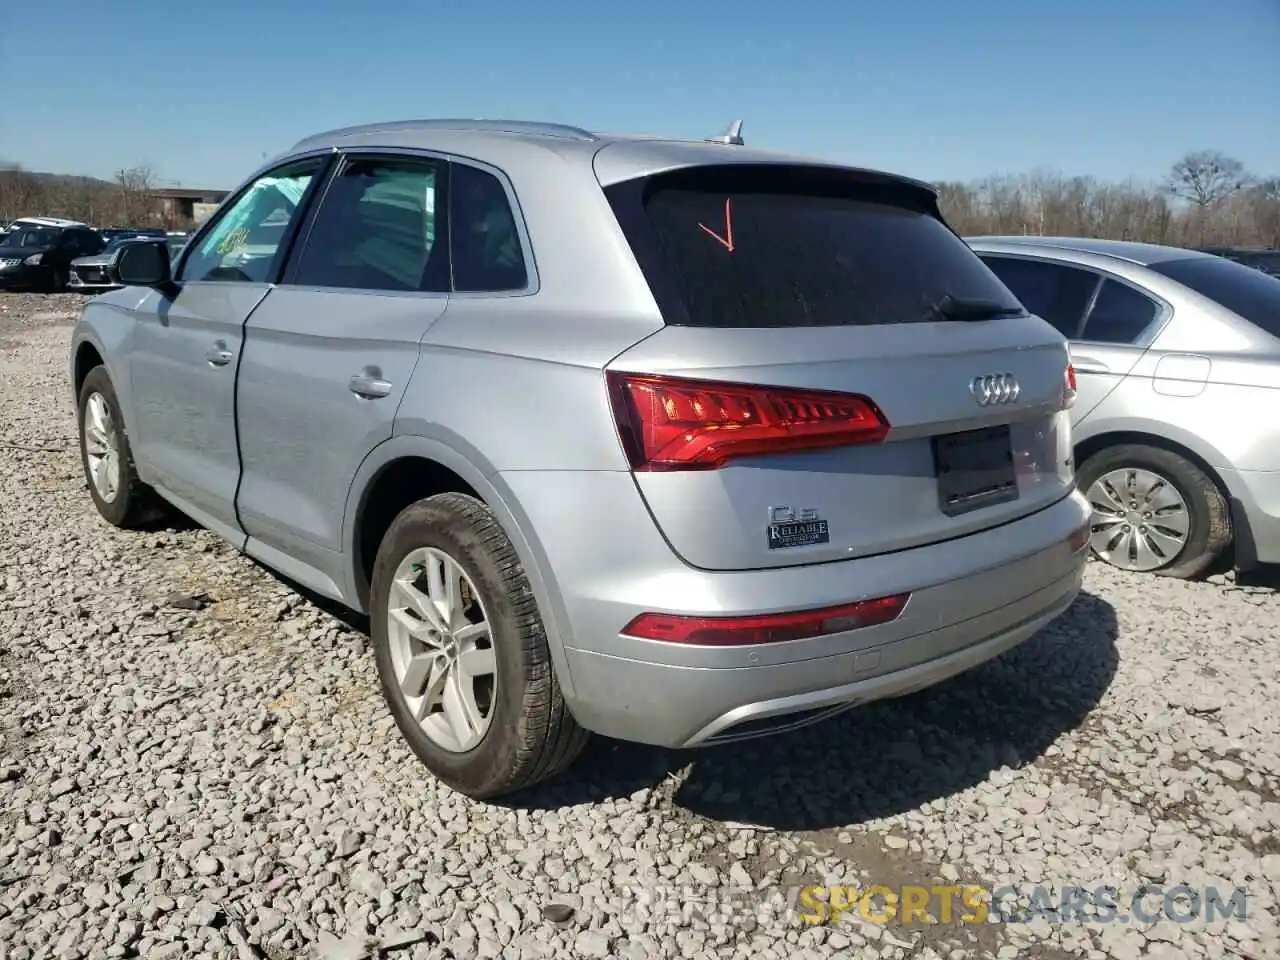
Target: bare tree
(136,201)
(1206,177)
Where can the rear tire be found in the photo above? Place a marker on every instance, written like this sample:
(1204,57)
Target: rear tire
(58,280)
(1181,489)
(528,734)
(121,497)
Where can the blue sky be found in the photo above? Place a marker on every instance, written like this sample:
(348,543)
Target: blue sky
(938,89)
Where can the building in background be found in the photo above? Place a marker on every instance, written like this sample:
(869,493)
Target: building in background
(186,204)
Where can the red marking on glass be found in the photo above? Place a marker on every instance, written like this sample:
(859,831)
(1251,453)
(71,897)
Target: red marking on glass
(727,240)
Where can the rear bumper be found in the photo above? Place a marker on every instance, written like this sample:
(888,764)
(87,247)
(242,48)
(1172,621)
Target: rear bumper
(1255,513)
(971,599)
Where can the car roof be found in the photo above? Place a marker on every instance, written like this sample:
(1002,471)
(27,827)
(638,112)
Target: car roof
(47,222)
(1143,254)
(631,154)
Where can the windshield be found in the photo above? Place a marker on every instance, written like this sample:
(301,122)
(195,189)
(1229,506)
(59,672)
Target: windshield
(779,248)
(31,237)
(1250,293)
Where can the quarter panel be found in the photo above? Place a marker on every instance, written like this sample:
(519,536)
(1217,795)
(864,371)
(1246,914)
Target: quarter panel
(468,463)
(1194,423)
(521,379)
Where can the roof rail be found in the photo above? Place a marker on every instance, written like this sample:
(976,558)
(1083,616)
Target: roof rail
(732,136)
(529,127)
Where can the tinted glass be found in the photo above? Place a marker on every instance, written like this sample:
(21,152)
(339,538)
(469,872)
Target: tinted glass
(243,244)
(784,247)
(487,256)
(376,229)
(31,237)
(1051,291)
(1252,294)
(88,242)
(1119,315)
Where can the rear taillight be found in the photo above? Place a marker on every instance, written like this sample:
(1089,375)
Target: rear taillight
(1068,387)
(768,628)
(667,423)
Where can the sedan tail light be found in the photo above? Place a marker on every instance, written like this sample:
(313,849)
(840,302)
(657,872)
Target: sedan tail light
(668,423)
(1069,389)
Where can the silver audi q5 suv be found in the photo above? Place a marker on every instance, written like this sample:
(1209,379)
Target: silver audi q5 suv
(678,442)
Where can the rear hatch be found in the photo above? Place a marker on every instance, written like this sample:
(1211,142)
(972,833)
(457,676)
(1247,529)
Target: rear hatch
(839,374)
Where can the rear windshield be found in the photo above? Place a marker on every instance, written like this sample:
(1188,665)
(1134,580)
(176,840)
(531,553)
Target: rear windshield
(779,247)
(1243,290)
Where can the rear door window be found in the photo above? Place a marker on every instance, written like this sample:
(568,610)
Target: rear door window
(781,246)
(1119,315)
(376,228)
(1250,293)
(1052,291)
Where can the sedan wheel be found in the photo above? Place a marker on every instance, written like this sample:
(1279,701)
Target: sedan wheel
(1140,520)
(441,647)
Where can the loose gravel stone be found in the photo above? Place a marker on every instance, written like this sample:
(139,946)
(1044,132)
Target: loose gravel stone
(195,762)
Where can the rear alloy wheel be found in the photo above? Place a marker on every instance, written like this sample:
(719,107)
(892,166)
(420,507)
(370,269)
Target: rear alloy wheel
(462,653)
(1154,511)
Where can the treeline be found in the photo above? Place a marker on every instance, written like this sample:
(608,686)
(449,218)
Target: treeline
(124,201)
(1207,199)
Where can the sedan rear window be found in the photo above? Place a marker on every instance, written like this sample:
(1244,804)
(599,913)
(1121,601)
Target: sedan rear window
(1247,292)
(781,246)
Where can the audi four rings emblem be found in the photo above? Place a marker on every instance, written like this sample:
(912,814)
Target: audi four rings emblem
(995,388)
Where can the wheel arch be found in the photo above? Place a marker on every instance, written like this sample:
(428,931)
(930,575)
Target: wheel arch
(1241,543)
(405,469)
(1199,454)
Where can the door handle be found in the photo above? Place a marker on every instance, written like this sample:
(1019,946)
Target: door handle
(218,355)
(1089,365)
(369,384)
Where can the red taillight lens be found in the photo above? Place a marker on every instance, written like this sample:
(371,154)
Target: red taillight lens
(1069,386)
(675,424)
(769,628)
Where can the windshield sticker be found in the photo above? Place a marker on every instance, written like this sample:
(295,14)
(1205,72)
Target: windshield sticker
(727,240)
(235,240)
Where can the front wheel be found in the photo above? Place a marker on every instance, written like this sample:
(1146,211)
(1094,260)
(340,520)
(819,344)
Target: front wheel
(462,653)
(121,497)
(1154,511)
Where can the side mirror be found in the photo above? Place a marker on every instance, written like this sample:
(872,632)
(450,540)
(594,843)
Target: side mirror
(142,265)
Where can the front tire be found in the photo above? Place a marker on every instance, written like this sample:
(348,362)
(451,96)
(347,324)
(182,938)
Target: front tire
(462,652)
(121,497)
(1154,511)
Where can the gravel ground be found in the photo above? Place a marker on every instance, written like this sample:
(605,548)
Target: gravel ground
(195,762)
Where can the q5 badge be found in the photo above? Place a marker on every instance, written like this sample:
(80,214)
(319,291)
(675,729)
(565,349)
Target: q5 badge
(791,527)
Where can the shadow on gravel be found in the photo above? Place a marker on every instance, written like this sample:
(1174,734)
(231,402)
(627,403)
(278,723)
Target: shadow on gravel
(874,761)
(886,757)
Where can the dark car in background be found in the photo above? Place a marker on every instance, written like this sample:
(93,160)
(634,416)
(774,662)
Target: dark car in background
(1268,261)
(91,274)
(110,234)
(37,255)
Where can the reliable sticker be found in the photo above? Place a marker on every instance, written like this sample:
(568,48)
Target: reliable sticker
(789,527)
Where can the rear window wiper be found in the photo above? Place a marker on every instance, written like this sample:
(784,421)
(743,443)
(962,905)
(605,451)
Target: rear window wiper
(955,308)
